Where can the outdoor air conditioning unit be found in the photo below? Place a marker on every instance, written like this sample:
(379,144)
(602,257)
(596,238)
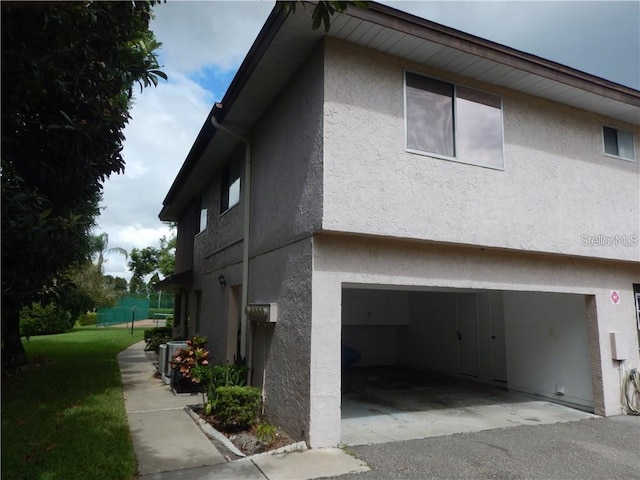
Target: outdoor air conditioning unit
(172,347)
(262,314)
(162,359)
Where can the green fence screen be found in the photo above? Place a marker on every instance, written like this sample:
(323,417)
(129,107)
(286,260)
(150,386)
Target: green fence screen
(128,309)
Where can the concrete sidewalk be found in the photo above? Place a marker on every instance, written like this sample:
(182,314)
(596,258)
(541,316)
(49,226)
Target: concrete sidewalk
(169,445)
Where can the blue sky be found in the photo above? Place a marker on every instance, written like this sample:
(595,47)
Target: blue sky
(205,42)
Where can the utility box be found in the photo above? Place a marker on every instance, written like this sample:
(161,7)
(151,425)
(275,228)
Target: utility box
(618,346)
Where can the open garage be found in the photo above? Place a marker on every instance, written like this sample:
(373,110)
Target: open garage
(437,361)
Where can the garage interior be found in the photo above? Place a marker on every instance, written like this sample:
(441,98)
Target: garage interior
(441,361)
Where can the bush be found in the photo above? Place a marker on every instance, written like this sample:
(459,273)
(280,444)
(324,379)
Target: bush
(39,319)
(237,407)
(154,337)
(229,375)
(90,318)
(266,433)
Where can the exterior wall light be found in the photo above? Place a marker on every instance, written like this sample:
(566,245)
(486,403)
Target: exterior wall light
(223,280)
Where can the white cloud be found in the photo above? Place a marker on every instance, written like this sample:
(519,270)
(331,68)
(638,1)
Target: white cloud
(196,34)
(598,37)
(198,38)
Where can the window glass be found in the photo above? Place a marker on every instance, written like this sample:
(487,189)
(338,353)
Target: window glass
(610,140)
(625,145)
(203,219)
(429,115)
(230,186)
(234,193)
(453,121)
(618,143)
(479,127)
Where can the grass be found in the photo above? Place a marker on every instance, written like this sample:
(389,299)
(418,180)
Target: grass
(64,417)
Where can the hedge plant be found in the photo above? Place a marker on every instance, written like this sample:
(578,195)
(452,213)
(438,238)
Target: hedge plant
(89,318)
(38,319)
(154,337)
(237,407)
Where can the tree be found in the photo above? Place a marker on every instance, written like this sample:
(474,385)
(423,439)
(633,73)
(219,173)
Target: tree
(167,255)
(142,263)
(101,246)
(322,11)
(68,74)
(152,260)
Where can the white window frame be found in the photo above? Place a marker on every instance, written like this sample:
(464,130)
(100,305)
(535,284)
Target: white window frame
(455,123)
(633,144)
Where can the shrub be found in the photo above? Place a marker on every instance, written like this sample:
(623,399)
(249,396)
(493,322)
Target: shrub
(229,375)
(89,318)
(154,337)
(237,407)
(266,433)
(38,319)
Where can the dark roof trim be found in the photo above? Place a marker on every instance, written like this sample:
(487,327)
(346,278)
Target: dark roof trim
(176,281)
(421,28)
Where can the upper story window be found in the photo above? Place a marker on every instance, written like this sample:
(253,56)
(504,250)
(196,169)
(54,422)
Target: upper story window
(618,143)
(203,220)
(453,122)
(230,187)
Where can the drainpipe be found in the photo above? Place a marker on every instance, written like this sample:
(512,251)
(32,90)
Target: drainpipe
(245,242)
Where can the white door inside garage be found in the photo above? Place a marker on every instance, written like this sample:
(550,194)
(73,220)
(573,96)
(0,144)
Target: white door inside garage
(533,343)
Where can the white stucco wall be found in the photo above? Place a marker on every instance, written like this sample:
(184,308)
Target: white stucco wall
(557,186)
(342,261)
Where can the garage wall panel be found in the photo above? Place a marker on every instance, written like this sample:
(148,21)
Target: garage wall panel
(429,342)
(547,346)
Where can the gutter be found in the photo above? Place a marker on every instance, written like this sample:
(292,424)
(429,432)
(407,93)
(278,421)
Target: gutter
(247,217)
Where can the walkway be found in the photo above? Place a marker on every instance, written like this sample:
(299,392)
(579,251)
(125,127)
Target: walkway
(169,445)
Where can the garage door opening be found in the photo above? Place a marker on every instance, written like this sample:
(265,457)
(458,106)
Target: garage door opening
(433,361)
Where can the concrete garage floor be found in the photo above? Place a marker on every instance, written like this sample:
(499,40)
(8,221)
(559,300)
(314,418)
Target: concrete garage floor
(388,404)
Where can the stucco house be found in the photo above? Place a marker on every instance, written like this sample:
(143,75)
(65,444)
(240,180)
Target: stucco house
(429,198)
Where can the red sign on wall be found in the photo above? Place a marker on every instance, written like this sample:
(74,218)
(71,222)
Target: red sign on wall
(615,297)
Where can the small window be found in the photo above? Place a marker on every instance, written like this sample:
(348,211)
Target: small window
(203,220)
(230,187)
(453,122)
(618,143)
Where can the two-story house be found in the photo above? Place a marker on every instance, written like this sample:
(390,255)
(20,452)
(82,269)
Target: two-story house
(431,199)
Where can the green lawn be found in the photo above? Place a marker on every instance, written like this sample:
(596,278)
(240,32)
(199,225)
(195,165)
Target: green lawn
(64,418)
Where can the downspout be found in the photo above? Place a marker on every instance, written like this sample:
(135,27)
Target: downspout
(245,243)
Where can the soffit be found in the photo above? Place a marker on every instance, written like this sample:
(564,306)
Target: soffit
(422,42)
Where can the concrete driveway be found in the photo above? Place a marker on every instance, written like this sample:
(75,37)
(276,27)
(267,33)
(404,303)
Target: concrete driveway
(596,448)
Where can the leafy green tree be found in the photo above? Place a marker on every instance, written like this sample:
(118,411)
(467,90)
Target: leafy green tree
(152,260)
(167,255)
(118,284)
(68,75)
(142,262)
(322,11)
